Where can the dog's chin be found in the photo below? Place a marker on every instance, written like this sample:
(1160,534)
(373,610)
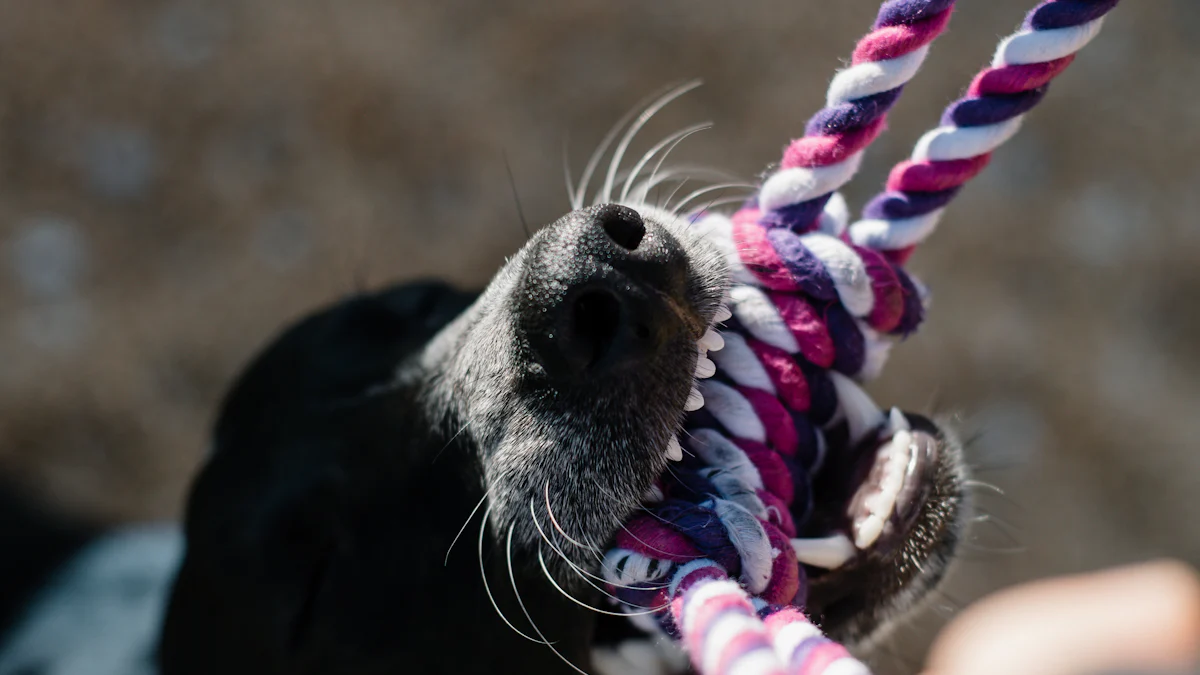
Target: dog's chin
(861,600)
(564,490)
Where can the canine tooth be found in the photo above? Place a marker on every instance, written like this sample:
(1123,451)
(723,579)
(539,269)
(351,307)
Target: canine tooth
(723,313)
(695,401)
(712,340)
(827,552)
(705,367)
(862,415)
(897,422)
(674,450)
(867,531)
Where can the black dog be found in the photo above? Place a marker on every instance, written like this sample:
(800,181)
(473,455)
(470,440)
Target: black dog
(337,526)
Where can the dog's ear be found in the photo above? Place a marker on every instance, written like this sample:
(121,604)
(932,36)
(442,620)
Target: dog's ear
(274,507)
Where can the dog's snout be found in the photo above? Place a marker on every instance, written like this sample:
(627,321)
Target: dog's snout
(622,224)
(604,290)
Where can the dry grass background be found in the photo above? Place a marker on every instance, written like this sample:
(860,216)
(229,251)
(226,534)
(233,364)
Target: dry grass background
(178,178)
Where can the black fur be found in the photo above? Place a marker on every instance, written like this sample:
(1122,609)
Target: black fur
(318,530)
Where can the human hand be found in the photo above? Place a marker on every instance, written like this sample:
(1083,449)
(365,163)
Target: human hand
(1143,618)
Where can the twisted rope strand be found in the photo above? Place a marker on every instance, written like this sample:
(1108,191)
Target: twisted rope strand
(919,189)
(826,158)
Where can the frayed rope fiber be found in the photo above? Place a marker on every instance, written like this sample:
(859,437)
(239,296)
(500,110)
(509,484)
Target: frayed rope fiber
(813,303)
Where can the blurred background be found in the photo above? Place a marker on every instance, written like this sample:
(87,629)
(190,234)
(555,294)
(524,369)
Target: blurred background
(180,178)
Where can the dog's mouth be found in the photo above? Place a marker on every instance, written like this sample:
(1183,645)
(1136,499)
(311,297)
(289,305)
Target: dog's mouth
(869,501)
(876,522)
(884,526)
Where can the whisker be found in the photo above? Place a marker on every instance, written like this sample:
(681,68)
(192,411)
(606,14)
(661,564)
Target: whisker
(487,588)
(566,162)
(644,188)
(733,199)
(672,141)
(686,171)
(554,522)
(594,161)
(512,182)
(647,544)
(463,529)
(711,188)
(637,125)
(584,574)
(451,441)
(550,578)
(665,204)
(513,579)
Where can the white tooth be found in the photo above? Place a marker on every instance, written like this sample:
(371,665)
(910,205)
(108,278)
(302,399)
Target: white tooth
(896,422)
(705,368)
(694,401)
(827,552)
(862,415)
(866,532)
(723,313)
(712,340)
(674,450)
(893,458)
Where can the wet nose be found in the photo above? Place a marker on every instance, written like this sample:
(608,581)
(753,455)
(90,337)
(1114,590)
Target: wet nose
(613,286)
(623,225)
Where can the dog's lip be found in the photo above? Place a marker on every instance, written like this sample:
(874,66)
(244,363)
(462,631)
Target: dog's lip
(888,489)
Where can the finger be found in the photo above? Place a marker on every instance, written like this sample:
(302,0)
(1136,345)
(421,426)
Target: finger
(1144,617)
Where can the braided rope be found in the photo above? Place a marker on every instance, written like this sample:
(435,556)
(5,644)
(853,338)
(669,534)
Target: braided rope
(919,189)
(814,167)
(809,312)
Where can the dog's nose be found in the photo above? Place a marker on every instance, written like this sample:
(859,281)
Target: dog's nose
(604,290)
(622,224)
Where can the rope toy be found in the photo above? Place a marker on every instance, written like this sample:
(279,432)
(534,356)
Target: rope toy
(714,561)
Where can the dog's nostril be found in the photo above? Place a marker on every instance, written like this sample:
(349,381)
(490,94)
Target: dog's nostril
(623,225)
(594,322)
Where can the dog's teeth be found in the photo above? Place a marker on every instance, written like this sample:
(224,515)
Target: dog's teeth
(705,368)
(723,313)
(896,422)
(712,340)
(867,531)
(674,450)
(694,401)
(878,498)
(827,552)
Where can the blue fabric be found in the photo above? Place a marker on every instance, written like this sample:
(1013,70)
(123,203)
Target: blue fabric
(898,205)
(1065,13)
(852,115)
(899,12)
(976,112)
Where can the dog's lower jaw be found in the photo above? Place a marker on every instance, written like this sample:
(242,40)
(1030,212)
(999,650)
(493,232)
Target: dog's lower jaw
(870,600)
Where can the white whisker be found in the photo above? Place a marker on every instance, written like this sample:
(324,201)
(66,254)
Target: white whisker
(463,529)
(672,141)
(554,522)
(640,122)
(513,579)
(566,159)
(586,178)
(550,578)
(584,574)
(487,587)
(703,191)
